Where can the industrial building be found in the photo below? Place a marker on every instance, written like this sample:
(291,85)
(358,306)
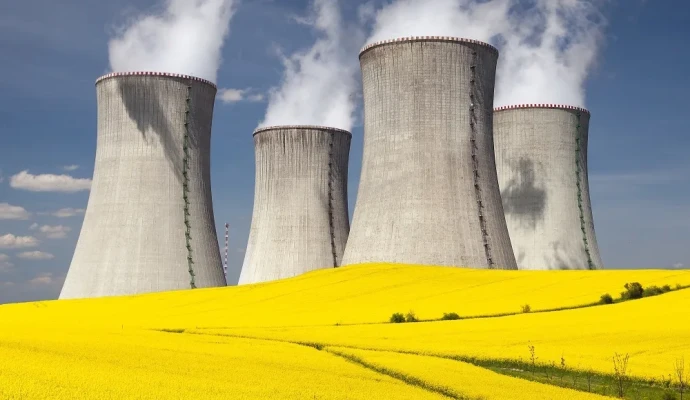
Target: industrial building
(428,192)
(541,159)
(300,220)
(149,223)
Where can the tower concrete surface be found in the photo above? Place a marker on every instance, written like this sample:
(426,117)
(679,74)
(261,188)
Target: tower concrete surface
(428,192)
(541,159)
(300,220)
(149,222)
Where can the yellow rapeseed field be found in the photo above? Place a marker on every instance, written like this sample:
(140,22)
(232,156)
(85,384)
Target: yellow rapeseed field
(653,331)
(153,365)
(109,348)
(353,294)
(462,379)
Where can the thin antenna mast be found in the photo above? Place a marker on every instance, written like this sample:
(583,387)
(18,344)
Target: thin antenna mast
(225,257)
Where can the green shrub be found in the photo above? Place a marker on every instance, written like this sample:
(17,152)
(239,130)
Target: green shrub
(450,316)
(669,396)
(678,286)
(526,308)
(410,317)
(606,299)
(666,288)
(397,318)
(652,291)
(632,291)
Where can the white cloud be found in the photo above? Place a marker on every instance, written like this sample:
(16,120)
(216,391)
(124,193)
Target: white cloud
(5,264)
(33,226)
(54,232)
(70,167)
(45,278)
(10,241)
(68,212)
(255,97)
(548,47)
(185,37)
(49,182)
(320,84)
(8,211)
(678,265)
(35,255)
(2,177)
(230,95)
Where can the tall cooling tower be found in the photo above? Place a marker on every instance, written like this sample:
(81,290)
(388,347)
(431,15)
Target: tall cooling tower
(541,158)
(300,220)
(149,222)
(428,192)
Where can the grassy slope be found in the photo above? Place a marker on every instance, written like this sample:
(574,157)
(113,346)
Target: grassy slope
(84,337)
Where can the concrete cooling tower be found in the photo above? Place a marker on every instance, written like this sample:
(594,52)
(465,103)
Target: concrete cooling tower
(300,220)
(428,192)
(541,159)
(149,222)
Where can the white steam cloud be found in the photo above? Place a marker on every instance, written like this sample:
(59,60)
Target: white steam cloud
(186,38)
(319,84)
(462,18)
(547,47)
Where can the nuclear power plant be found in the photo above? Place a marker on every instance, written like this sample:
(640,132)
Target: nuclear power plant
(300,220)
(149,223)
(428,192)
(434,189)
(541,159)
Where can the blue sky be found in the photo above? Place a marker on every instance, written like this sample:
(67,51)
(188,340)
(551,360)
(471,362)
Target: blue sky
(52,53)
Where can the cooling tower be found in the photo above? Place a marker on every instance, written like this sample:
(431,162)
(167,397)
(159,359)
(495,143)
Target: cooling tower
(428,193)
(149,222)
(541,159)
(300,220)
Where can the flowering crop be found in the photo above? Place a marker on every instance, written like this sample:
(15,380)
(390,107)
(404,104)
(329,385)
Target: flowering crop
(109,348)
(654,331)
(464,379)
(352,294)
(155,365)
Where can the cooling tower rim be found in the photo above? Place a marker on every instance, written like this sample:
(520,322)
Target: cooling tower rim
(426,39)
(553,106)
(153,73)
(314,127)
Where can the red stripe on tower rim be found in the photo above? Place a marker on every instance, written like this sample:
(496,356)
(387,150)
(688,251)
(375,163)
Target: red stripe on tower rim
(154,73)
(542,105)
(427,38)
(313,127)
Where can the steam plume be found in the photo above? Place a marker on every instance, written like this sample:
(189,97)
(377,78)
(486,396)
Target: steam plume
(461,18)
(319,84)
(186,38)
(547,57)
(547,47)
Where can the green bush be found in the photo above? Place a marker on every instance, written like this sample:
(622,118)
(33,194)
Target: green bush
(669,396)
(397,318)
(632,291)
(666,288)
(606,299)
(410,317)
(652,291)
(450,316)
(526,308)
